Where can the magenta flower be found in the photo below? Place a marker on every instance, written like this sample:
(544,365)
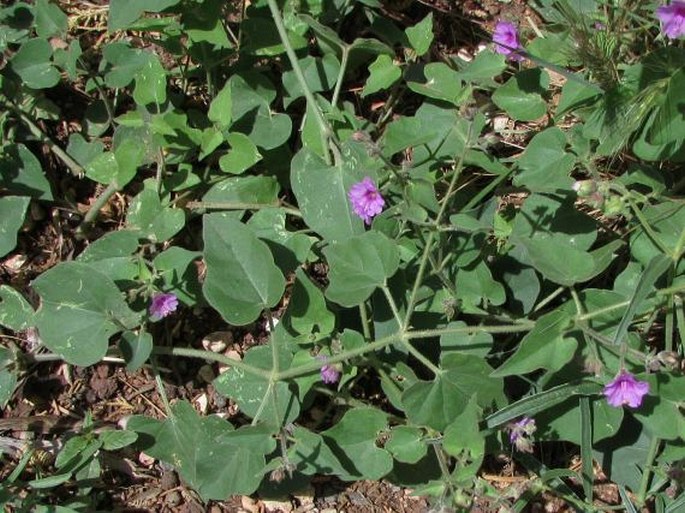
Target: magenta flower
(625,389)
(672,19)
(329,373)
(521,434)
(366,201)
(506,38)
(162,305)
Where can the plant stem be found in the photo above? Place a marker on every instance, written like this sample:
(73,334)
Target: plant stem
(392,304)
(647,470)
(421,358)
(234,205)
(95,208)
(366,329)
(341,75)
(326,132)
(431,236)
(160,387)
(208,355)
(524,325)
(346,355)
(73,166)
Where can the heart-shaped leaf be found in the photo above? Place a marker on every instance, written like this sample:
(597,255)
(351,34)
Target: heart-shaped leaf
(242,279)
(80,309)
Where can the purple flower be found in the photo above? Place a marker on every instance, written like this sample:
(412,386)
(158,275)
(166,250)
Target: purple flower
(162,305)
(329,373)
(625,389)
(672,19)
(521,433)
(366,200)
(506,38)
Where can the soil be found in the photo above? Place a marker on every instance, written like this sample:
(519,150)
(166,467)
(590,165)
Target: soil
(53,398)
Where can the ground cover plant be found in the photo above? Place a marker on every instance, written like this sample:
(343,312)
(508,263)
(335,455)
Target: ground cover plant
(452,256)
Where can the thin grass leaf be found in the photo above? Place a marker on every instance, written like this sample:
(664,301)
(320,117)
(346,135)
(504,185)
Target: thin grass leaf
(656,267)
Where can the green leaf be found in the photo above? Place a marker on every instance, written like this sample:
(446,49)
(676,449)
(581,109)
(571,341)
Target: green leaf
(150,83)
(117,439)
(22,174)
(307,308)
(15,312)
(235,256)
(545,164)
(661,410)
(119,166)
(311,455)
(12,212)
(268,129)
(220,109)
(483,68)
(563,421)
(532,404)
(261,190)
(406,132)
(440,82)
(438,403)
(120,243)
(206,26)
(50,20)
(356,435)
(383,73)
(575,95)
(123,62)
(8,383)
(153,219)
(359,265)
(123,13)
(420,36)
(543,347)
(271,403)
(407,444)
(290,249)
(320,74)
(243,154)
(81,308)
(656,267)
(32,64)
(68,59)
(136,348)
(464,441)
(84,152)
(522,95)
(179,273)
(667,221)
(477,343)
(321,193)
(208,453)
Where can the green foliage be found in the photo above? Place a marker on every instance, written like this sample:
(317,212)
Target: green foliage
(516,268)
